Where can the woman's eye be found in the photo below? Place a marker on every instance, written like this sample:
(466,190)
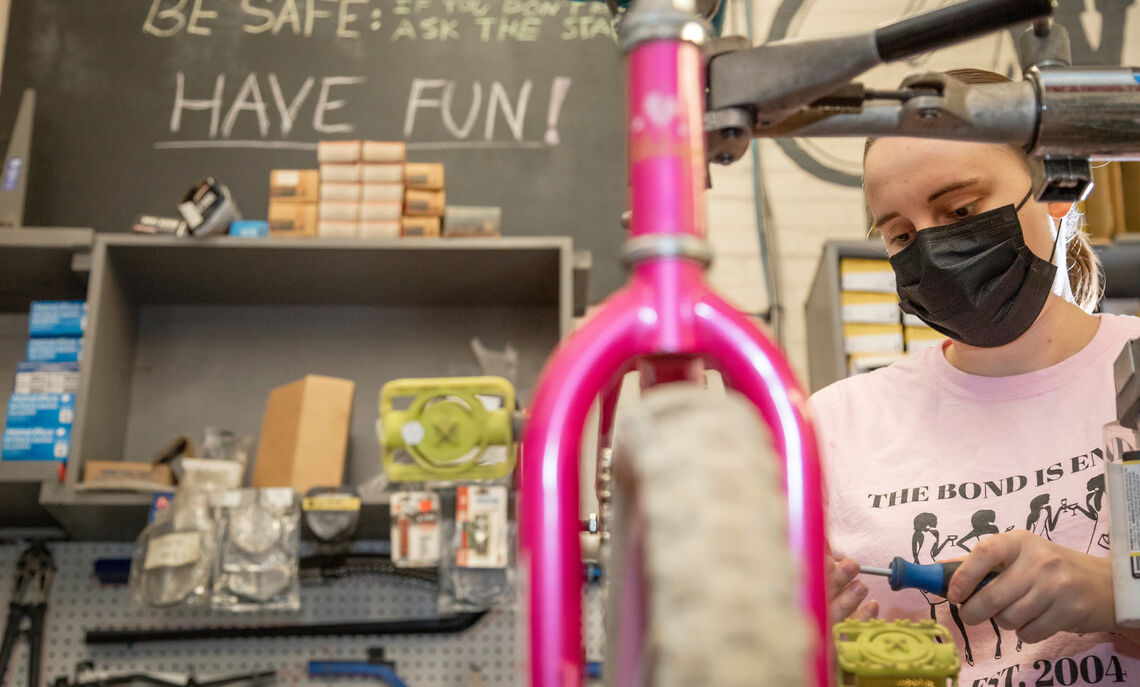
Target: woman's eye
(902,239)
(964,211)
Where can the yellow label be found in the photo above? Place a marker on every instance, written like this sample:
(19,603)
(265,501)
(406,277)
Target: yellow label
(331,502)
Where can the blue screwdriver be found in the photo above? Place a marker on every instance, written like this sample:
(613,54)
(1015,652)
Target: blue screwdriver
(932,577)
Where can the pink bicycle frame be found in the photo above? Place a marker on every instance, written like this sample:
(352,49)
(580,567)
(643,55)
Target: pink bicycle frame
(666,309)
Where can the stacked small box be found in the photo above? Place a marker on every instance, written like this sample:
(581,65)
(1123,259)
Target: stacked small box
(869,311)
(425,199)
(41,408)
(362,188)
(917,335)
(293,203)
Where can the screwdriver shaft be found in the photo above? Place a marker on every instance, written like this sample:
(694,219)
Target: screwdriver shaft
(868,570)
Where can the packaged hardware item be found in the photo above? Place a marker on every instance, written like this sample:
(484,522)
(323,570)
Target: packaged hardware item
(57,318)
(478,571)
(416,529)
(54,350)
(35,443)
(258,563)
(173,557)
(41,410)
(47,378)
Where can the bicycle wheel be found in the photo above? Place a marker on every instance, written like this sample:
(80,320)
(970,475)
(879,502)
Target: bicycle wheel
(700,582)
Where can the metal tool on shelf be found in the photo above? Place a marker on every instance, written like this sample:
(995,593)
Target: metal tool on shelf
(26,610)
(87,676)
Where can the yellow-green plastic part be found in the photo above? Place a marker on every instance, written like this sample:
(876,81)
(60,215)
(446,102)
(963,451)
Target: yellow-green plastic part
(446,429)
(899,653)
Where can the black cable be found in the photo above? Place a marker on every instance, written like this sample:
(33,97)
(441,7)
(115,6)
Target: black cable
(451,624)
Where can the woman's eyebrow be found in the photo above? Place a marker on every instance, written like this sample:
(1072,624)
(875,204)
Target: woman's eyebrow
(951,187)
(948,188)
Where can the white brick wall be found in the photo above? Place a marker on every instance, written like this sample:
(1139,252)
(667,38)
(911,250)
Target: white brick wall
(806,211)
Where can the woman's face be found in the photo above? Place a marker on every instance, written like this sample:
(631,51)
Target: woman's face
(913,184)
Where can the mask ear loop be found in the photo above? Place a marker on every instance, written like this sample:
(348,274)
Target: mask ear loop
(1056,237)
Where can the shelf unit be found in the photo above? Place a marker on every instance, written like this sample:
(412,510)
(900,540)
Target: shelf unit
(42,263)
(185,334)
(827,360)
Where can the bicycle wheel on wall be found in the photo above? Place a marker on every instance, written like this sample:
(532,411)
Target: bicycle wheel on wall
(701,585)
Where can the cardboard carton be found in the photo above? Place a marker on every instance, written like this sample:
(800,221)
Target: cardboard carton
(305,434)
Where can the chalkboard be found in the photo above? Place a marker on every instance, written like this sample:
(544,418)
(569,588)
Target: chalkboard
(522,100)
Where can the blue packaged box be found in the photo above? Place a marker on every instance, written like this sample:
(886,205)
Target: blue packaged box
(54,350)
(35,443)
(41,410)
(250,228)
(47,378)
(58,318)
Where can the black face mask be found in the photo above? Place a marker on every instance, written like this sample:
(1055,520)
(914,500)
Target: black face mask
(975,281)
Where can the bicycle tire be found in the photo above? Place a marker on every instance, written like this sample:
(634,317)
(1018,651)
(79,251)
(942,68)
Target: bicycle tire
(696,487)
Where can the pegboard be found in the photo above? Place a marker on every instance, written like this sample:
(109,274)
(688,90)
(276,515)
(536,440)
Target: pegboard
(79,603)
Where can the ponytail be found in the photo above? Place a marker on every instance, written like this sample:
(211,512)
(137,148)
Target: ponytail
(1085,271)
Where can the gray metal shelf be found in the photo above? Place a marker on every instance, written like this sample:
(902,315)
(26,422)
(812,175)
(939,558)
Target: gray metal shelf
(187,334)
(42,263)
(827,362)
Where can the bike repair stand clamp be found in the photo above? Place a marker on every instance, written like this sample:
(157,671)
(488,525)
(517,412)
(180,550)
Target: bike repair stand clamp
(27,608)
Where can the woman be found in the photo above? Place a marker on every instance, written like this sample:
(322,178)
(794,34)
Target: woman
(1008,408)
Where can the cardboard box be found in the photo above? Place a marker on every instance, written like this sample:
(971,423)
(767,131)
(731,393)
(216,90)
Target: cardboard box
(917,338)
(297,185)
(414,227)
(339,211)
(41,410)
(382,173)
(249,229)
(1104,208)
(99,471)
(860,274)
(870,307)
(54,350)
(288,219)
(424,203)
(338,151)
(472,220)
(872,338)
(383,151)
(380,212)
(57,318)
(341,173)
(382,193)
(47,378)
(340,192)
(1130,195)
(424,175)
(334,229)
(380,229)
(35,443)
(305,434)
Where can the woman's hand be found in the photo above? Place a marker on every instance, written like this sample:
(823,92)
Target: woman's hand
(847,596)
(1043,588)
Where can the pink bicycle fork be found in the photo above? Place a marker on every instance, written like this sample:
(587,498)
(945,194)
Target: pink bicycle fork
(667,309)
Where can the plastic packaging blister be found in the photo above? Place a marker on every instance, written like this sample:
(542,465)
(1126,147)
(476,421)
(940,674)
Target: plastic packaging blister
(174,555)
(258,556)
(478,569)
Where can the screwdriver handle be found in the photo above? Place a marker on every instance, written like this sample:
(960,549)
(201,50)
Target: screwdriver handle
(933,578)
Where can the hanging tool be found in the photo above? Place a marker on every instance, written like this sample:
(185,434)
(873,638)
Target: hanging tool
(933,577)
(377,666)
(27,607)
(86,676)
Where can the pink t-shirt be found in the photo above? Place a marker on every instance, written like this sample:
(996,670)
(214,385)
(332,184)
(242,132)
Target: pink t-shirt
(922,460)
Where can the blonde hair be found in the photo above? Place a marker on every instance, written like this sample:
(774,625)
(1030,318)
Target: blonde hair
(1085,271)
